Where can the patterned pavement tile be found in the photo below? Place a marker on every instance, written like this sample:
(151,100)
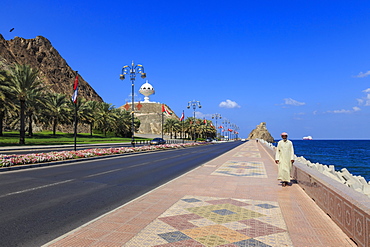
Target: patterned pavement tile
(250,149)
(187,243)
(247,154)
(257,228)
(222,222)
(217,213)
(229,201)
(242,169)
(251,242)
(181,222)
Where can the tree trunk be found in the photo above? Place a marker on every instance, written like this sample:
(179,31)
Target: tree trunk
(2,114)
(54,126)
(91,129)
(30,131)
(22,132)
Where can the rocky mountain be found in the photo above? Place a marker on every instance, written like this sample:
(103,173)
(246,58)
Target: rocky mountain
(53,69)
(261,132)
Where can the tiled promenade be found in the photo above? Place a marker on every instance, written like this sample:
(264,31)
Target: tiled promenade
(233,200)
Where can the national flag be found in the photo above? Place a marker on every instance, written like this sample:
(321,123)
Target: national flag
(182,116)
(164,109)
(75,88)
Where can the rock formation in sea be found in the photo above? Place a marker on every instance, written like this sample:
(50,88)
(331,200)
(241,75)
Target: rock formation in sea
(261,132)
(53,69)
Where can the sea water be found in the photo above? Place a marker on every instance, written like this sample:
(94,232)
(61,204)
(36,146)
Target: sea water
(351,154)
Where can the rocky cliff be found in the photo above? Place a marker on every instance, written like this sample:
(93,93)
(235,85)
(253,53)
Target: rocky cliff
(150,116)
(261,132)
(40,54)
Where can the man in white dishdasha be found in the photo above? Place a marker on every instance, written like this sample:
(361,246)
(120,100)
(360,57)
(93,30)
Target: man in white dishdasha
(284,157)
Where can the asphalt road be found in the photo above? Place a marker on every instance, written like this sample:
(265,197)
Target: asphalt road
(39,205)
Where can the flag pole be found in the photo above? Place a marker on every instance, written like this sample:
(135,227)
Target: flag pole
(183,120)
(75,127)
(162,120)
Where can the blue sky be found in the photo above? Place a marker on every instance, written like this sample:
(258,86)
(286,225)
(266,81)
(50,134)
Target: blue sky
(300,66)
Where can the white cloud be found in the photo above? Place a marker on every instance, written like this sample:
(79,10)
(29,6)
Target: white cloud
(360,101)
(229,104)
(362,75)
(198,114)
(365,100)
(290,101)
(356,108)
(343,111)
(136,98)
(340,111)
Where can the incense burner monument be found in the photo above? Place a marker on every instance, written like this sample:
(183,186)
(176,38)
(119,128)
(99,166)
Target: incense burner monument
(149,113)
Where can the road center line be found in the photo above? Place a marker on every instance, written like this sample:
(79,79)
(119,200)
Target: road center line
(102,173)
(37,188)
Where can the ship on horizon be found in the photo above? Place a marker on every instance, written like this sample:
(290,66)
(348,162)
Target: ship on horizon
(307,138)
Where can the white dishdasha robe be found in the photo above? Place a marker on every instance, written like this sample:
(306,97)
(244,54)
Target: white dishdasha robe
(285,155)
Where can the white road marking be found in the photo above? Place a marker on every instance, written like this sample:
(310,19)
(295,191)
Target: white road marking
(102,173)
(37,188)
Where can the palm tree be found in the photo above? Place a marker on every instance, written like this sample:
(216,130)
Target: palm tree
(7,105)
(169,126)
(206,129)
(177,128)
(172,126)
(34,105)
(89,114)
(188,126)
(106,116)
(122,126)
(57,109)
(24,84)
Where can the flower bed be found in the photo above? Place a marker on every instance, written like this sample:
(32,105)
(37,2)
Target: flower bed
(23,159)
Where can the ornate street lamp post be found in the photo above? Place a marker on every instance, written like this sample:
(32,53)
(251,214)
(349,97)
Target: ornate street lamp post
(216,116)
(236,132)
(233,126)
(226,122)
(194,104)
(132,70)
